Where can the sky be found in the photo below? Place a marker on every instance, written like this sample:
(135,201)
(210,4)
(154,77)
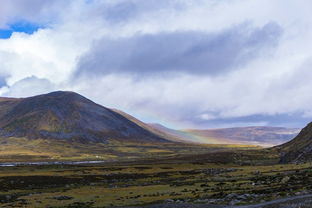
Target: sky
(181,63)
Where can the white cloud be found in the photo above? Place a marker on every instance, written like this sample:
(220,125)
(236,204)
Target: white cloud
(274,82)
(28,87)
(39,11)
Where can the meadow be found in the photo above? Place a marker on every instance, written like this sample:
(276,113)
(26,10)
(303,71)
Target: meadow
(226,176)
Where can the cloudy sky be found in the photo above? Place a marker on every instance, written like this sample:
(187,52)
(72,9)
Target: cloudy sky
(182,63)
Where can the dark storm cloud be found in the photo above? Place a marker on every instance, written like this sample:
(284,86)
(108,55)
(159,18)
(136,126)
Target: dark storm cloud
(184,51)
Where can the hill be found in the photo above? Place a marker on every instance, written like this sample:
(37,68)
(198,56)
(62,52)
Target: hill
(256,135)
(67,126)
(299,149)
(68,116)
(161,133)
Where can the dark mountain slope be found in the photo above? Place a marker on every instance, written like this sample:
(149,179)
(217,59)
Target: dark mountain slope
(299,149)
(67,115)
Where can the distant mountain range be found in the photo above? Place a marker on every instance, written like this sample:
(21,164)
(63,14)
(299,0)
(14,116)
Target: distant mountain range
(70,116)
(256,135)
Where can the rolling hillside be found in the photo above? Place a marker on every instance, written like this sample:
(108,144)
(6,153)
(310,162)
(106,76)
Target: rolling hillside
(299,149)
(263,136)
(67,125)
(68,116)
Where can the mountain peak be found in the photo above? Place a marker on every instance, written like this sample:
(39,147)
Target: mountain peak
(61,93)
(68,115)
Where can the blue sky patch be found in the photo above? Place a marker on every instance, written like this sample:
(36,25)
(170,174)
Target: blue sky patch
(4,34)
(21,26)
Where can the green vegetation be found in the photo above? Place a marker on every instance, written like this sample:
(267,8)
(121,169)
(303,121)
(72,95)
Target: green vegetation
(22,149)
(217,175)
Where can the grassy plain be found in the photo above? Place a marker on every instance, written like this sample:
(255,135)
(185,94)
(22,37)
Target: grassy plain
(209,174)
(22,149)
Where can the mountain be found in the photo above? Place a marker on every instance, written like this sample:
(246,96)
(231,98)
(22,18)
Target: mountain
(173,133)
(299,149)
(157,131)
(257,135)
(68,116)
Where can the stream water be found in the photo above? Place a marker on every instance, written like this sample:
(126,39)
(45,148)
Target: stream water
(12,164)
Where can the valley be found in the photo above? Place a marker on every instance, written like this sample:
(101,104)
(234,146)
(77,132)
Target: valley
(34,150)
(155,104)
(63,150)
(174,181)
